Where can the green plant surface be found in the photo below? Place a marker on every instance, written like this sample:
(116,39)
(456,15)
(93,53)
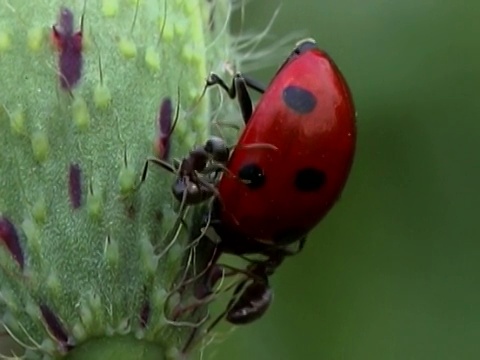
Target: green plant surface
(91,255)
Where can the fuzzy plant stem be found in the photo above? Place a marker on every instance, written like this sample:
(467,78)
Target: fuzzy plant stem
(89,254)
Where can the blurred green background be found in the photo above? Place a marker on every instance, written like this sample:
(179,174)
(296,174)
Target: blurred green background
(393,272)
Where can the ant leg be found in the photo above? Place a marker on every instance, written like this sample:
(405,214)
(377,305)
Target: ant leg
(216,168)
(249,82)
(241,286)
(208,186)
(158,162)
(300,245)
(254,84)
(238,89)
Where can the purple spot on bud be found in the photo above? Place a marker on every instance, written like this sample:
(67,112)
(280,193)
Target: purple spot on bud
(75,185)
(165,117)
(65,21)
(145,314)
(54,325)
(69,44)
(9,236)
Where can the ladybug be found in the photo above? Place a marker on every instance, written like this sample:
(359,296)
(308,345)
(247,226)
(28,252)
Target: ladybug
(307,113)
(275,198)
(268,201)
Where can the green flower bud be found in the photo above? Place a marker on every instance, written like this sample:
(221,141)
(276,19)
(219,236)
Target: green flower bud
(90,254)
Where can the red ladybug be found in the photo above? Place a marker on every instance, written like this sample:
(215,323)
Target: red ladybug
(275,197)
(271,198)
(307,113)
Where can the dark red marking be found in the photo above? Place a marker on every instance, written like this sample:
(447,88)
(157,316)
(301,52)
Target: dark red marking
(55,326)
(164,124)
(75,185)
(9,236)
(69,44)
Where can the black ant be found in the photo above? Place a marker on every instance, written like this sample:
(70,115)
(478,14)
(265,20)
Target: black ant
(193,185)
(251,295)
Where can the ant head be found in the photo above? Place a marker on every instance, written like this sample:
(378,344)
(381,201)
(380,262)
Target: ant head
(217,148)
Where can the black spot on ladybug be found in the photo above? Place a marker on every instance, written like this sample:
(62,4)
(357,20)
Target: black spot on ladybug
(298,99)
(309,179)
(252,175)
